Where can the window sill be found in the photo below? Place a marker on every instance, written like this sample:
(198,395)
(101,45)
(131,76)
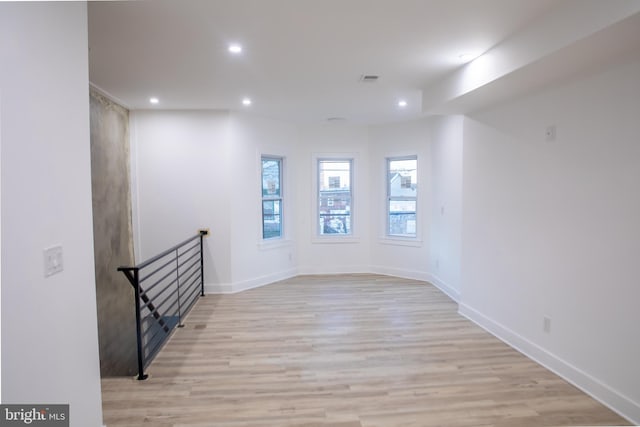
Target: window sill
(400,241)
(265,245)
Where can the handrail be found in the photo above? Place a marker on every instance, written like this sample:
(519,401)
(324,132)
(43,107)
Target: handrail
(167,252)
(154,322)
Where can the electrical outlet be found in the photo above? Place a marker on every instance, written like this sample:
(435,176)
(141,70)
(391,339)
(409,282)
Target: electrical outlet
(53,261)
(546,324)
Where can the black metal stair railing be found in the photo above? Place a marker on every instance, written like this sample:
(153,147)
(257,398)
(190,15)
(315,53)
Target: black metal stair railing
(166,287)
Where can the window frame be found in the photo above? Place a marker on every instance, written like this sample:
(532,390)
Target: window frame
(280,198)
(318,199)
(389,198)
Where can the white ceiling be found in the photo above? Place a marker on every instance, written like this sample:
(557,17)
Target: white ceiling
(302,59)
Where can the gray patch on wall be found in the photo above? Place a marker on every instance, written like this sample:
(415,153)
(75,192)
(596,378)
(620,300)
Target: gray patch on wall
(112,235)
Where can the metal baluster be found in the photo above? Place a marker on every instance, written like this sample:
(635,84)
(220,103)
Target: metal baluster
(201,267)
(136,287)
(143,299)
(180,325)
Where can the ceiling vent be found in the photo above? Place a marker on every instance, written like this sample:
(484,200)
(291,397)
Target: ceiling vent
(369,78)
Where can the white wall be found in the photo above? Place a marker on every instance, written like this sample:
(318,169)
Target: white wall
(551,229)
(329,254)
(255,262)
(446,203)
(49,325)
(193,169)
(209,163)
(203,168)
(181,170)
(397,256)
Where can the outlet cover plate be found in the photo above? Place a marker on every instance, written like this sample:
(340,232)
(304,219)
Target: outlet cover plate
(53,260)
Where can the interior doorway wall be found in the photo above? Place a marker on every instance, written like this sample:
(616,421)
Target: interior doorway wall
(112,235)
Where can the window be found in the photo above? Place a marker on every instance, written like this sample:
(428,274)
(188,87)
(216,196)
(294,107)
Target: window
(271,197)
(402,193)
(334,196)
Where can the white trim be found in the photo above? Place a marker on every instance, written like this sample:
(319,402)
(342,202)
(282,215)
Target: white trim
(283,204)
(400,241)
(346,269)
(218,288)
(388,197)
(609,397)
(232,288)
(354,159)
(422,276)
(451,292)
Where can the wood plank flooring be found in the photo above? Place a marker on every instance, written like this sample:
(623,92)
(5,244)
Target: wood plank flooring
(343,351)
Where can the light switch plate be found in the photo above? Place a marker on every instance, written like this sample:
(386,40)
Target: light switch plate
(53,260)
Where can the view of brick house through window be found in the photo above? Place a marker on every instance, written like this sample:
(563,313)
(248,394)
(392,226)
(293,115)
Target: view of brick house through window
(271,197)
(402,196)
(334,196)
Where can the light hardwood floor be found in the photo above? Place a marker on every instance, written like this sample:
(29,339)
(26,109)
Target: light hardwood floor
(344,351)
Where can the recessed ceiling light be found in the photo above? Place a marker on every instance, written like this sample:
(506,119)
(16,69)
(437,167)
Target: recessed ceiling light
(402,103)
(235,48)
(246,101)
(154,100)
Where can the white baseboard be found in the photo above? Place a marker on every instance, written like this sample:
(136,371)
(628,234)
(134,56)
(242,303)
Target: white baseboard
(218,288)
(451,292)
(418,275)
(232,288)
(614,400)
(398,272)
(341,269)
